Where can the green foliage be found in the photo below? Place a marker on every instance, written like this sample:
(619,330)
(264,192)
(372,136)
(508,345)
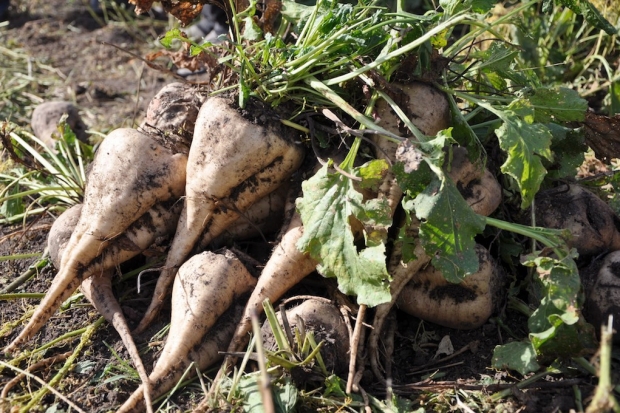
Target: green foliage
(555,327)
(448,229)
(526,145)
(448,225)
(518,355)
(53,180)
(532,124)
(284,395)
(372,173)
(329,204)
(588,11)
(557,105)
(568,147)
(452,7)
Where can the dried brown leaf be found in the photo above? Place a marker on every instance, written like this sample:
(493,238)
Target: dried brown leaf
(142,6)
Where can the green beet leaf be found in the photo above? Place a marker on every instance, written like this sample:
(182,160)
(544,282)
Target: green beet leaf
(448,229)
(328,205)
(518,355)
(556,104)
(416,164)
(285,395)
(525,144)
(564,340)
(556,327)
(568,147)
(448,224)
(498,57)
(407,242)
(561,286)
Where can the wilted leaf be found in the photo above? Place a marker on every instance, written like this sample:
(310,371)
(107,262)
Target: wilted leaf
(445,347)
(409,155)
(185,11)
(251,31)
(142,6)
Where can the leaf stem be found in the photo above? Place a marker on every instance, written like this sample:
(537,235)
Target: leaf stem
(519,306)
(26,275)
(604,399)
(20,256)
(398,52)
(524,383)
(85,340)
(345,106)
(17,296)
(548,237)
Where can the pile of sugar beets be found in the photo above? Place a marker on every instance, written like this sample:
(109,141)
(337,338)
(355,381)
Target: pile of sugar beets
(213,173)
(203,172)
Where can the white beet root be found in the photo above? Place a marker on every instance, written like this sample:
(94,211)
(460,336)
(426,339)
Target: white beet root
(325,321)
(461,306)
(61,231)
(232,164)
(286,267)
(158,222)
(263,217)
(593,225)
(476,183)
(113,200)
(204,288)
(173,110)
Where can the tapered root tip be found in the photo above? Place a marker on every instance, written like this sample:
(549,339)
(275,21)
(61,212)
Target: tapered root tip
(148,318)
(13,346)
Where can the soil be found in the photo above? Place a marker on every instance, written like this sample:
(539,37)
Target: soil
(112,89)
